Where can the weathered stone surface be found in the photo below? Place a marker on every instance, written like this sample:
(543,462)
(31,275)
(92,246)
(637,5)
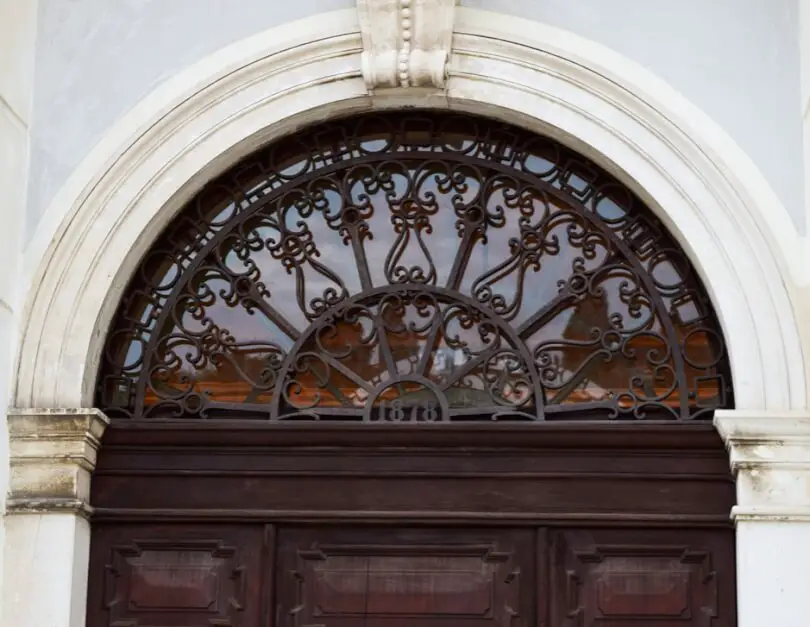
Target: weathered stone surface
(406,43)
(53,454)
(770,456)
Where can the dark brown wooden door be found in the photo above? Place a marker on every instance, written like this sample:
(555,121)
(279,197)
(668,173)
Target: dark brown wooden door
(405,578)
(177,576)
(641,578)
(491,407)
(296,576)
(327,526)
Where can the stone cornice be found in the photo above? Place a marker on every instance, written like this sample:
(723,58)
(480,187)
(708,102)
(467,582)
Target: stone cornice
(52,456)
(770,455)
(406,43)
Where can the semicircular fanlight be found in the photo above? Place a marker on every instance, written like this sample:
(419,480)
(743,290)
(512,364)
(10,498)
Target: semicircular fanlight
(415,267)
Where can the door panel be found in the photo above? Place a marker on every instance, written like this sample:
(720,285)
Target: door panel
(664,578)
(254,575)
(175,576)
(404,578)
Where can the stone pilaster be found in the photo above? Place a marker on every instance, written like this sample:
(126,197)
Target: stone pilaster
(53,454)
(770,457)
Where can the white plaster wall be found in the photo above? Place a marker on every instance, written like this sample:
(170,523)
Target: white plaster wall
(804,50)
(17,40)
(48,564)
(96,58)
(738,60)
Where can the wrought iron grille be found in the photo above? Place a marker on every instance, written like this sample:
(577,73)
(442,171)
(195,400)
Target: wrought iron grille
(415,267)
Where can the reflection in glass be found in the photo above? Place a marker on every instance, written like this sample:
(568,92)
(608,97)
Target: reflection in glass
(418,267)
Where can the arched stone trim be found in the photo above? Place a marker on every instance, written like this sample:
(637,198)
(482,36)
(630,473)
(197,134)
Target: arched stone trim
(701,185)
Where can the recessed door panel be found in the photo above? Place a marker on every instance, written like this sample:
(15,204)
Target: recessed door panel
(328,576)
(176,576)
(399,578)
(644,578)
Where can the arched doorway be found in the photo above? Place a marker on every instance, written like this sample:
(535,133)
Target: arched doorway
(413,368)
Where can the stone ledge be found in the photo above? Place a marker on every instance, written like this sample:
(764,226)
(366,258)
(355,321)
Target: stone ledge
(771,514)
(52,456)
(23,506)
(770,456)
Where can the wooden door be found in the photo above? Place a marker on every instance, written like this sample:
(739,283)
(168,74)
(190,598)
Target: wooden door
(405,577)
(357,576)
(173,575)
(641,578)
(317,525)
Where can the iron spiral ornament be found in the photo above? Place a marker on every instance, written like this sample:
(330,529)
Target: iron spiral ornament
(415,267)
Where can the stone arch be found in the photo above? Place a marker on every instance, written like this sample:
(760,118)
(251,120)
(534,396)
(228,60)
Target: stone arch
(699,183)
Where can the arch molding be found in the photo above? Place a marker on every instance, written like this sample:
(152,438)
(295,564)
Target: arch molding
(698,182)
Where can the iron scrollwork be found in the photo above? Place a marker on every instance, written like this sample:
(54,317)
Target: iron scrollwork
(415,268)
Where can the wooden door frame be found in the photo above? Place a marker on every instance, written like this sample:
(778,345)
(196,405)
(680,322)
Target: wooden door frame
(665,480)
(144,472)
